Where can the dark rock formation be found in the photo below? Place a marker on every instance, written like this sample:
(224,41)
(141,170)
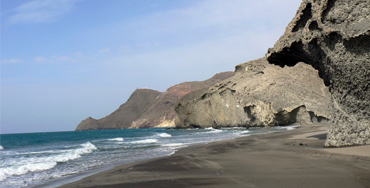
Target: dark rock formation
(149,108)
(259,94)
(334,37)
(162,113)
(128,112)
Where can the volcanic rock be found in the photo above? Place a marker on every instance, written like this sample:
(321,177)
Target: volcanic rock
(334,37)
(149,108)
(259,94)
(128,112)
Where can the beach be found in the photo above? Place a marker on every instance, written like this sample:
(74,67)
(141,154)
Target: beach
(294,158)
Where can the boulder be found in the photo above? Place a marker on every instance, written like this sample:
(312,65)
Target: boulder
(259,94)
(334,37)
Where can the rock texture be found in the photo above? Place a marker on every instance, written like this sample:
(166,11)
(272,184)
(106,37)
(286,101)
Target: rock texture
(149,108)
(334,37)
(259,94)
(128,112)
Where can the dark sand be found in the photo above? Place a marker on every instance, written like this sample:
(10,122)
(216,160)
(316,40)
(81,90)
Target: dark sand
(286,159)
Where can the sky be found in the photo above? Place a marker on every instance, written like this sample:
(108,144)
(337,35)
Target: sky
(65,60)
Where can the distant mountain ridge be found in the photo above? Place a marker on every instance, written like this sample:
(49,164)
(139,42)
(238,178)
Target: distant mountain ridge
(149,108)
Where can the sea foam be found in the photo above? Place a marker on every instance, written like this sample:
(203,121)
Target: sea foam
(165,135)
(34,164)
(24,169)
(289,128)
(173,145)
(116,139)
(146,141)
(87,147)
(1,147)
(215,131)
(244,132)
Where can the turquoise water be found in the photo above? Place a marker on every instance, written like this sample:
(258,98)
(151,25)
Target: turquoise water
(34,159)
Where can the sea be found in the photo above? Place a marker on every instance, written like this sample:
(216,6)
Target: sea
(47,159)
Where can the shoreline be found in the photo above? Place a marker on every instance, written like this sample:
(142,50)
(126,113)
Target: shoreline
(294,158)
(80,175)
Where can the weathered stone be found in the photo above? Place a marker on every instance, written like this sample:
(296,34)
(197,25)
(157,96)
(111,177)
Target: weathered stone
(128,112)
(334,37)
(259,94)
(149,108)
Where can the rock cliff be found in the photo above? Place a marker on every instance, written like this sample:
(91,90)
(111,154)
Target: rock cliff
(128,112)
(149,108)
(259,94)
(334,37)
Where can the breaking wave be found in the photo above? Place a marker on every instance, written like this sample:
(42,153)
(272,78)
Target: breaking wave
(173,145)
(289,128)
(146,141)
(34,164)
(116,139)
(1,147)
(164,135)
(215,131)
(244,132)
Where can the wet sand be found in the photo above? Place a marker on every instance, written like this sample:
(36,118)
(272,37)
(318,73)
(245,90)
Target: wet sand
(287,159)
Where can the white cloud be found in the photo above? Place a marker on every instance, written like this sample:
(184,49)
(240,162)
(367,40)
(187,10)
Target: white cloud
(10,61)
(40,11)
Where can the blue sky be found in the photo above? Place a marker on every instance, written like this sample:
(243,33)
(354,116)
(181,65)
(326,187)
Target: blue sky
(65,60)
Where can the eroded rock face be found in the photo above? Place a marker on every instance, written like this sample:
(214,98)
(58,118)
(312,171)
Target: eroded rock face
(149,108)
(128,112)
(162,113)
(334,37)
(259,94)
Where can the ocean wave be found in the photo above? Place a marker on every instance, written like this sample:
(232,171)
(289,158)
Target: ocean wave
(87,147)
(1,147)
(173,145)
(40,152)
(116,139)
(165,135)
(146,141)
(24,169)
(289,128)
(244,132)
(34,164)
(215,131)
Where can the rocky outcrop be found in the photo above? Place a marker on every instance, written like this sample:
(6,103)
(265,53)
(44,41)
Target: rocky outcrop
(128,112)
(334,37)
(149,108)
(259,94)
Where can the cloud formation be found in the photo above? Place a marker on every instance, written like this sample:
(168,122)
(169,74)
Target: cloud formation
(10,61)
(41,11)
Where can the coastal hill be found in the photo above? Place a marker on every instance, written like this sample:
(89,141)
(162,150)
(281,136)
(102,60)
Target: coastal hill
(334,37)
(259,94)
(149,108)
